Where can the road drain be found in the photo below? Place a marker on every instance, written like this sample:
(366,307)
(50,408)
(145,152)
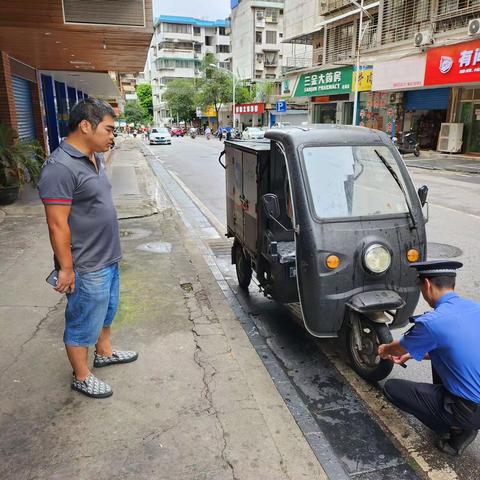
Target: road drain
(437,251)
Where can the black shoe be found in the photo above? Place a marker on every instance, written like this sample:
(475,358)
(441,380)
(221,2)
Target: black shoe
(457,443)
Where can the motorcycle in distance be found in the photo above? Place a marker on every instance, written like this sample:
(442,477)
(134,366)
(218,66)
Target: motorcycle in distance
(192,132)
(408,143)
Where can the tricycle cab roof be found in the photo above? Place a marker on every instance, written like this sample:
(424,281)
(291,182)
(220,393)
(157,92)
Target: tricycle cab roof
(325,135)
(250,145)
(319,135)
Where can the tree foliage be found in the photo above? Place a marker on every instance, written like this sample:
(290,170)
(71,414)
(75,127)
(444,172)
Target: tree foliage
(180,96)
(144,94)
(264,90)
(215,86)
(135,113)
(245,93)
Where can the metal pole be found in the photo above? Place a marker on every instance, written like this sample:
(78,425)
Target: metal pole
(234,115)
(357,73)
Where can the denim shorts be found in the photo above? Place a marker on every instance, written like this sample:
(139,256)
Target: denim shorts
(91,306)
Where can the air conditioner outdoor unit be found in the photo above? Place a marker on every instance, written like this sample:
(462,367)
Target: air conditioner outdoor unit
(474,26)
(423,38)
(450,138)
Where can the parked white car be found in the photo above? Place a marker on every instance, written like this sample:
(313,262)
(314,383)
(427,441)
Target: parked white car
(160,136)
(253,133)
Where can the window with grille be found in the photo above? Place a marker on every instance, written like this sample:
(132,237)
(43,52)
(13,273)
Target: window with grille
(271,15)
(270,59)
(455,14)
(221,31)
(402,19)
(223,48)
(177,28)
(339,42)
(271,37)
(370,25)
(197,31)
(258,38)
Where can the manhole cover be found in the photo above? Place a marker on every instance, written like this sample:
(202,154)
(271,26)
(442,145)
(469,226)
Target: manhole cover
(156,247)
(437,251)
(134,233)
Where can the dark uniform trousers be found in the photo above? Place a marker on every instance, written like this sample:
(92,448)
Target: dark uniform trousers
(433,405)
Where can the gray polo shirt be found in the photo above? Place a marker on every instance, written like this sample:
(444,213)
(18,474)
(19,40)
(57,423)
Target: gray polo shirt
(68,177)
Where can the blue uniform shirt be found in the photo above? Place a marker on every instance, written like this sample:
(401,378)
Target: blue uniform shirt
(450,334)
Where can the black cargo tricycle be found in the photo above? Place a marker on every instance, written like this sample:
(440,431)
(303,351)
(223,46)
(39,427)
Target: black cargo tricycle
(329,220)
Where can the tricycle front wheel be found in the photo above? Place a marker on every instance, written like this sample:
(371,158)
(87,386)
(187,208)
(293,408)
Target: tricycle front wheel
(363,338)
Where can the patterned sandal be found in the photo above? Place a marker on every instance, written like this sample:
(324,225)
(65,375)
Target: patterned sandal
(92,387)
(116,357)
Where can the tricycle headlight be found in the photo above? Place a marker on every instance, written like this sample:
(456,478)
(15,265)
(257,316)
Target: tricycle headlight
(377,258)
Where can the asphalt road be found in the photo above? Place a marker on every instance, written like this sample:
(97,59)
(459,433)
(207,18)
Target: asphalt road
(453,232)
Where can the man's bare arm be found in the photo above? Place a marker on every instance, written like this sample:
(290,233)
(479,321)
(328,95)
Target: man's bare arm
(395,352)
(60,238)
(393,349)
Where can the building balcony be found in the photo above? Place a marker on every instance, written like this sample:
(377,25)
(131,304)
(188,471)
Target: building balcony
(297,63)
(332,7)
(172,36)
(268,3)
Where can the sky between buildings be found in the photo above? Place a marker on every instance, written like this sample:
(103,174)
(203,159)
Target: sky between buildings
(203,9)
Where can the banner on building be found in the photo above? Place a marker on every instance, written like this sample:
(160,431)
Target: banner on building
(453,64)
(249,108)
(325,82)
(400,74)
(209,112)
(364,79)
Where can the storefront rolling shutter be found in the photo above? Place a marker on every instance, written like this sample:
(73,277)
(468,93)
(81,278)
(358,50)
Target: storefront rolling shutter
(428,99)
(23,105)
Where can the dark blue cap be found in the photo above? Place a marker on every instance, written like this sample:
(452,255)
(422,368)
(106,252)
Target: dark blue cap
(437,268)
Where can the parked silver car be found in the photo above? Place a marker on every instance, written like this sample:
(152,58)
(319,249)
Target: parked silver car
(253,133)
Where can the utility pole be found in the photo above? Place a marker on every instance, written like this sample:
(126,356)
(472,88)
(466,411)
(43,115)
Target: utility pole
(361,32)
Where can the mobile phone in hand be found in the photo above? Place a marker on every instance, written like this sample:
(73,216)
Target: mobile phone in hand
(52,279)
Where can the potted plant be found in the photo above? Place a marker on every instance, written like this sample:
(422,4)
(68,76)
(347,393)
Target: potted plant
(20,162)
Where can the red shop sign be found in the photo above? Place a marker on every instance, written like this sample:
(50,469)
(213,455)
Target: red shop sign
(453,64)
(249,108)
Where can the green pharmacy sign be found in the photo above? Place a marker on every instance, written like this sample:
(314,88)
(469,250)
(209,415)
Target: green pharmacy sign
(325,82)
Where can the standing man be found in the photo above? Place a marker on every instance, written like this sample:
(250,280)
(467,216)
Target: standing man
(449,336)
(83,227)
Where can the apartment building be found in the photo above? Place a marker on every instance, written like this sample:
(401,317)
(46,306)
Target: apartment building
(258,51)
(177,48)
(418,62)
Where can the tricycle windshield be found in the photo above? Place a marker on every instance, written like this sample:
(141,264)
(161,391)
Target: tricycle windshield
(354,181)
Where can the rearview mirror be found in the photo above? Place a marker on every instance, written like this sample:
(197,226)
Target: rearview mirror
(422,195)
(271,205)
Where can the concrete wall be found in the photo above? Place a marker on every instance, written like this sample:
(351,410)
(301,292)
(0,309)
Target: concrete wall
(242,39)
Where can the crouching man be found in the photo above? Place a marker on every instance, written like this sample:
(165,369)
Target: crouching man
(448,336)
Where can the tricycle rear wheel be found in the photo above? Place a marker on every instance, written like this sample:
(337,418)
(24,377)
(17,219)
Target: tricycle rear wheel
(365,360)
(243,268)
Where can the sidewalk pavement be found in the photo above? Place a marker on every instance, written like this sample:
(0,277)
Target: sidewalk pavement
(431,160)
(198,404)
